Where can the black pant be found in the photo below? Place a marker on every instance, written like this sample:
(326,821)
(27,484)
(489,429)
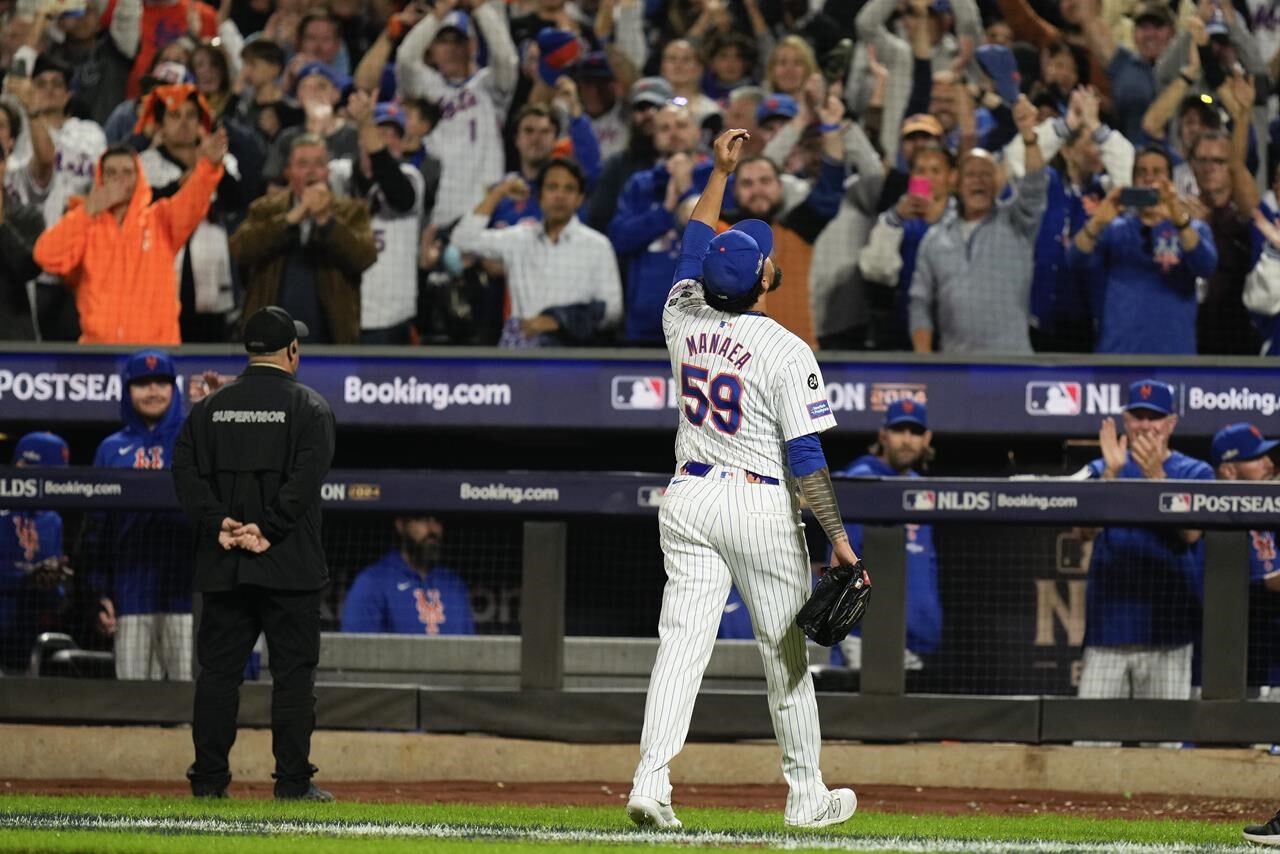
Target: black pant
(229,626)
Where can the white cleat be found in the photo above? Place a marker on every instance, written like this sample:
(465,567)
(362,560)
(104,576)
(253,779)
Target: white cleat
(840,806)
(648,812)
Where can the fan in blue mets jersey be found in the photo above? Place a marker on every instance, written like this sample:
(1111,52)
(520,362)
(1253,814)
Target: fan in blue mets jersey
(753,405)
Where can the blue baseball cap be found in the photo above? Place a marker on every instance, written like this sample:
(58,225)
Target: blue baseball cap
(41,449)
(389,113)
(907,411)
(1151,394)
(776,105)
(1001,66)
(340,81)
(1239,443)
(558,53)
(456,20)
(149,363)
(735,260)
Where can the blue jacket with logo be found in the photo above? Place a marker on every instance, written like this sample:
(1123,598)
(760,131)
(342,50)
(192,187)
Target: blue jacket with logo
(1144,285)
(924,605)
(141,560)
(390,597)
(1145,584)
(26,538)
(645,236)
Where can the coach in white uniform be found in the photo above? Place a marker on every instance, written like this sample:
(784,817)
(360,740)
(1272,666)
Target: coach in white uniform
(754,403)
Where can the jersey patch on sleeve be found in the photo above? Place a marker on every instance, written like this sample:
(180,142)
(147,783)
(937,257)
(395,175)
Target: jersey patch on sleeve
(819,409)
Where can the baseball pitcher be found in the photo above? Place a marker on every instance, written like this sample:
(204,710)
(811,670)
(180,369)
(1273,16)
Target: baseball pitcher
(753,405)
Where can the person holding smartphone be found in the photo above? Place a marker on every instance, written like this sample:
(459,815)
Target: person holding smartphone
(1143,251)
(889,257)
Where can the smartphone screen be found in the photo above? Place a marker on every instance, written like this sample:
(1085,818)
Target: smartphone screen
(920,186)
(1139,197)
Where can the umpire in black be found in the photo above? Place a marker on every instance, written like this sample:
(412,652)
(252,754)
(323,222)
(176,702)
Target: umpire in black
(248,468)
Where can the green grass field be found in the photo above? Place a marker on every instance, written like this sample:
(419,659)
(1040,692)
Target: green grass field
(62,824)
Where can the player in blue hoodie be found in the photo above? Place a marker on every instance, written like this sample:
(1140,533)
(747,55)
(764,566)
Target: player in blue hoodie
(904,444)
(32,563)
(141,561)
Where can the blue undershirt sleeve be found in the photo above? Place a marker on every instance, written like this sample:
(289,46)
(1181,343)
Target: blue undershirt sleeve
(804,455)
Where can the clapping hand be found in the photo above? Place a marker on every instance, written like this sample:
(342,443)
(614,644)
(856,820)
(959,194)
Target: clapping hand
(318,201)
(1149,456)
(1115,448)
(1090,105)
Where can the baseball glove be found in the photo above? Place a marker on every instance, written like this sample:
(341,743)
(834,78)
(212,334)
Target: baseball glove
(836,605)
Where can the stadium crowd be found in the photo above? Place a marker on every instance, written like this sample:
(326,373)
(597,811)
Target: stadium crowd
(977,176)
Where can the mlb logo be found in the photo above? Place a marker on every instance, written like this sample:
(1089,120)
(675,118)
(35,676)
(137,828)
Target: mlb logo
(639,393)
(1175,502)
(650,496)
(1052,398)
(919,499)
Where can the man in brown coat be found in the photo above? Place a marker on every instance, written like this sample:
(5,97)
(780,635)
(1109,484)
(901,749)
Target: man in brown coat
(305,250)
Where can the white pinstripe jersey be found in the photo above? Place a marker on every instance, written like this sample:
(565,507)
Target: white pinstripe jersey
(77,146)
(388,289)
(747,385)
(467,141)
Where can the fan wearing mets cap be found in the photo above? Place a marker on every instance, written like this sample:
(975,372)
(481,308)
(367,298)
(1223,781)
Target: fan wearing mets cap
(747,443)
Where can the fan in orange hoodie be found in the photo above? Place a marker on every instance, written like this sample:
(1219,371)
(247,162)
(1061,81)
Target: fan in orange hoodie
(117,249)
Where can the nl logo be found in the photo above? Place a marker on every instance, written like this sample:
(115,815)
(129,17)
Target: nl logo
(1048,397)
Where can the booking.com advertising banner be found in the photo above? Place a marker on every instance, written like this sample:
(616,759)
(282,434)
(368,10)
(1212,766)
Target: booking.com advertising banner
(374,391)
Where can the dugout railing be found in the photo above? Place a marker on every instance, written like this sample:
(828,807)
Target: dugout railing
(546,684)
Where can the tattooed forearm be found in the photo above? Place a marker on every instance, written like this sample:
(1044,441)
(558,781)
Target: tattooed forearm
(820,495)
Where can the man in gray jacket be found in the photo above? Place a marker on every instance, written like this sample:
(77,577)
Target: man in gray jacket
(972,283)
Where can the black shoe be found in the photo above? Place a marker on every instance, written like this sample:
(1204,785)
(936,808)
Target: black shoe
(312,793)
(210,794)
(1265,834)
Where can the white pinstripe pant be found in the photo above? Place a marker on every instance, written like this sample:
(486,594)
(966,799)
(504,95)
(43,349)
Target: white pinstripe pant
(717,532)
(153,646)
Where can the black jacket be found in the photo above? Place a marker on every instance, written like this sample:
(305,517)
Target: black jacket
(257,450)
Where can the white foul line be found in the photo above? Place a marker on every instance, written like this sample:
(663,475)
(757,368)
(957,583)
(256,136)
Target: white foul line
(696,839)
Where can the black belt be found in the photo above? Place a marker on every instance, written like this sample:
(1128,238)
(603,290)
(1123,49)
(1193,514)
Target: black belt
(697,469)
